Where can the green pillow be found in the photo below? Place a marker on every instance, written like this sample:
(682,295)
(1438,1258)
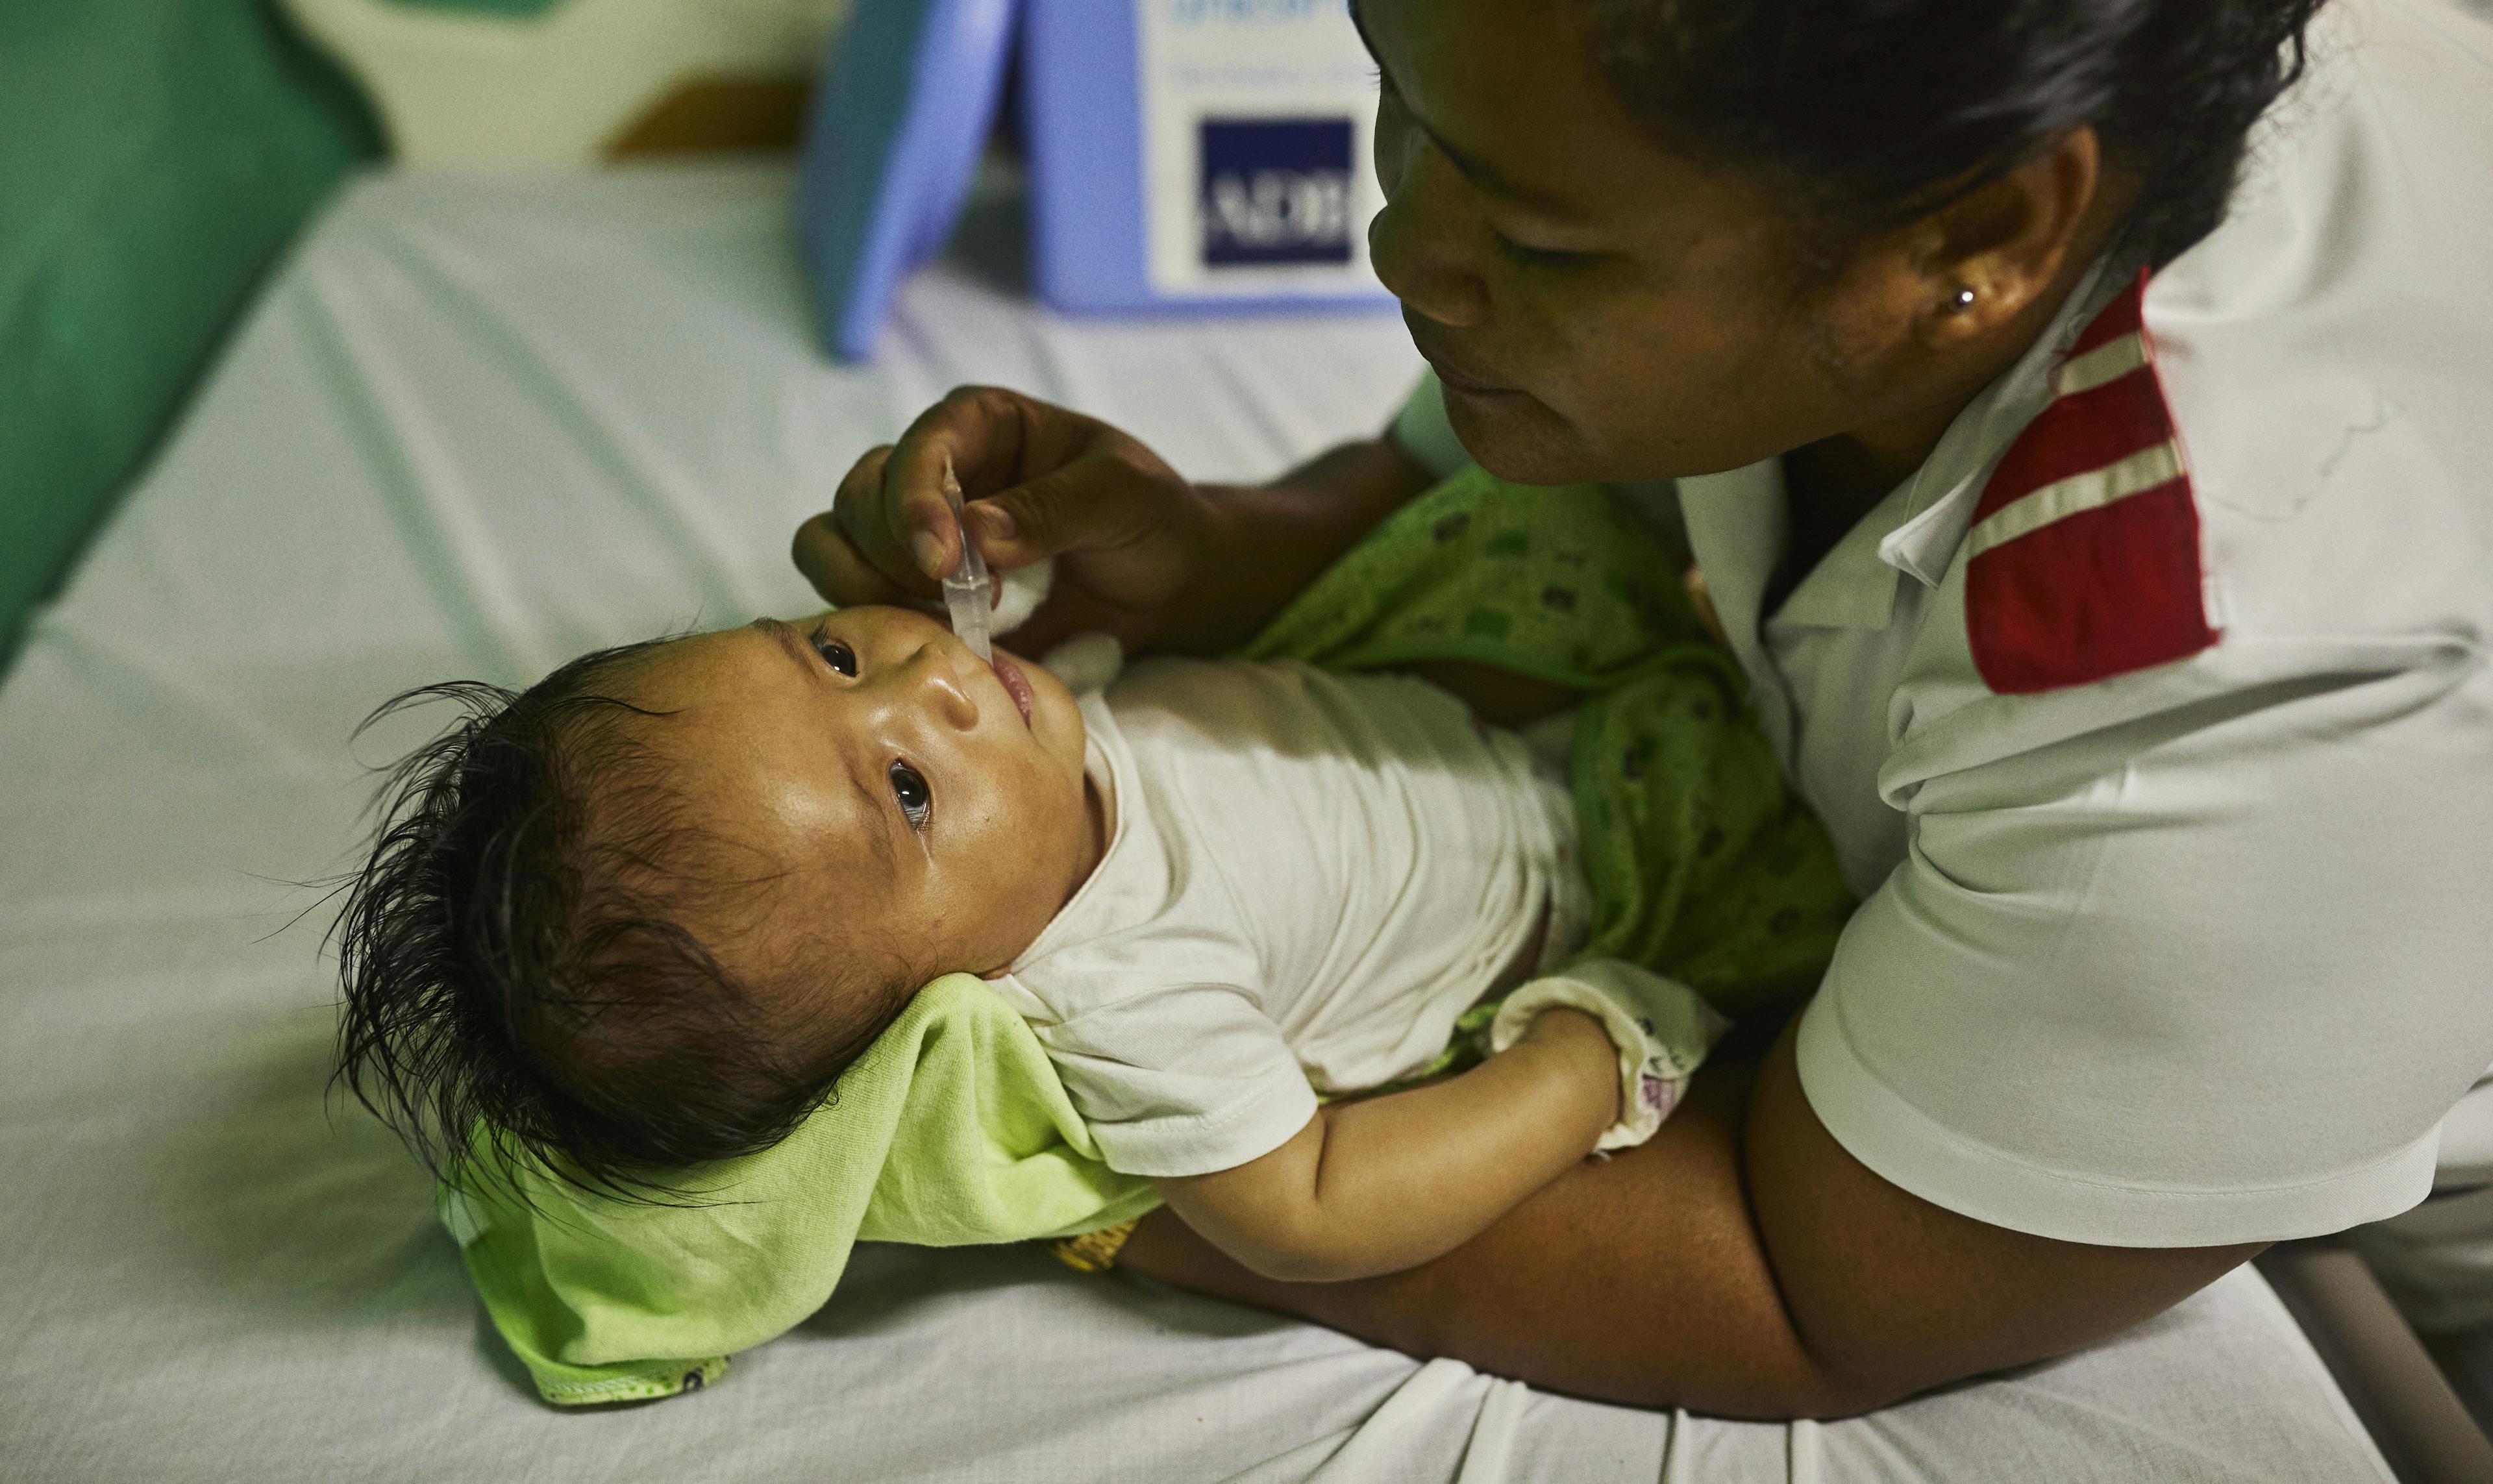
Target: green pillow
(484,7)
(155,157)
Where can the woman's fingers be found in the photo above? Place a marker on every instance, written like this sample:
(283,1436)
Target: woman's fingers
(854,552)
(958,433)
(1125,530)
(1101,500)
(891,508)
(1041,482)
(990,439)
(836,568)
(889,533)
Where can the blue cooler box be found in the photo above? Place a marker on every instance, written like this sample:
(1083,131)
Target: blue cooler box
(1186,156)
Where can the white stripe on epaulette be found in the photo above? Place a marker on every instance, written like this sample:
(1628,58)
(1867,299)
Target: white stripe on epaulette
(2108,362)
(2076,495)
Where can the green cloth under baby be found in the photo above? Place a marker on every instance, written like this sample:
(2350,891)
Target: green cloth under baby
(952,1128)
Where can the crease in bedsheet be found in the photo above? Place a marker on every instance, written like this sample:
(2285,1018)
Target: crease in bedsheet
(1488,1455)
(1807,1455)
(1382,1445)
(1676,1466)
(1329,1373)
(418,476)
(558,382)
(202,707)
(2087,1426)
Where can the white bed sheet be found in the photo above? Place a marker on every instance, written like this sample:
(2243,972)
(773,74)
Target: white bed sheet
(477,426)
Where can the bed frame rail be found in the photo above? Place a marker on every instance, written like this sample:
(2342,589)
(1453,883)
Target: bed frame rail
(2420,1425)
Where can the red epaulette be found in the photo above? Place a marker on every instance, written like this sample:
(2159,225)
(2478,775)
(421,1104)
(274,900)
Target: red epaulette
(2083,560)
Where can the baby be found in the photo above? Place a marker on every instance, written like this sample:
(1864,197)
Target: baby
(642,915)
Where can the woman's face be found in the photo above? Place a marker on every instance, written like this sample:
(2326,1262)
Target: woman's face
(1597,308)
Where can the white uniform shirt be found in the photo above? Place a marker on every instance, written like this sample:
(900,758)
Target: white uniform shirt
(1310,877)
(2169,780)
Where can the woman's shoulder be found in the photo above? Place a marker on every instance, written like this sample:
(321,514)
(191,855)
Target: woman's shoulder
(2325,345)
(2275,447)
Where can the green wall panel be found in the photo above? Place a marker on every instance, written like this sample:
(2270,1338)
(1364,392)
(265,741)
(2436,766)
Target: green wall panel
(156,156)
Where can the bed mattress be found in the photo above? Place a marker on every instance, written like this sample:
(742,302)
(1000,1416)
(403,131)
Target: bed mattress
(477,425)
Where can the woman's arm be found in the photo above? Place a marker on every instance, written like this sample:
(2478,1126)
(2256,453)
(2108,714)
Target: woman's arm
(1382,1185)
(1141,553)
(1740,1262)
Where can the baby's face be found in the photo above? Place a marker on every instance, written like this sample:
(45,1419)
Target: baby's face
(926,811)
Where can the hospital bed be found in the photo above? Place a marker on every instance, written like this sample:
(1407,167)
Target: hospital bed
(477,424)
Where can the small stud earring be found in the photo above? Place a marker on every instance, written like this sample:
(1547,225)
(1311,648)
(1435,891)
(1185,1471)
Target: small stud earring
(1961,301)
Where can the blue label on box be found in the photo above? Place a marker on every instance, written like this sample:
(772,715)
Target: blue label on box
(1275,191)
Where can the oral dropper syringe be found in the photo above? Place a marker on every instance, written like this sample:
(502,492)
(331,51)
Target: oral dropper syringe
(968,596)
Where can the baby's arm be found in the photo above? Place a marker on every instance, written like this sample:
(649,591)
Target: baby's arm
(1388,1183)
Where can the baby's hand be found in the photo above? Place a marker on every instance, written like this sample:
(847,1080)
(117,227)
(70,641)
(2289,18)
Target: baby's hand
(1577,1042)
(1658,1030)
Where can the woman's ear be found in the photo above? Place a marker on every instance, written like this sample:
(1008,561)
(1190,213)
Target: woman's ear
(1988,256)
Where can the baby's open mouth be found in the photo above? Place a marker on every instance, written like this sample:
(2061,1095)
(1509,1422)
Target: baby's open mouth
(1017,685)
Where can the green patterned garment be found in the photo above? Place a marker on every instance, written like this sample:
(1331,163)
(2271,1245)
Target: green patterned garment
(1704,867)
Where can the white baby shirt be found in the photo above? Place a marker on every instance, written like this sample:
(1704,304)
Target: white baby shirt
(1309,878)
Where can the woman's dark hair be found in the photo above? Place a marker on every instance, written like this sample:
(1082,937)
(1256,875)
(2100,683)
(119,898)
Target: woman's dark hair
(1882,110)
(514,966)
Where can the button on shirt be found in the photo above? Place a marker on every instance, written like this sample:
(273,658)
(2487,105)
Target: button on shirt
(2199,951)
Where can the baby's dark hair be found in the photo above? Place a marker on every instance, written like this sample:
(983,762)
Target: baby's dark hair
(515,963)
(1882,110)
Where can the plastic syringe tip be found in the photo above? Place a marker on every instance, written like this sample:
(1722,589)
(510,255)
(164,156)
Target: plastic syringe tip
(968,596)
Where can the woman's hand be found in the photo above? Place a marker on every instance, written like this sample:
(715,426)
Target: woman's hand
(1128,533)
(1140,553)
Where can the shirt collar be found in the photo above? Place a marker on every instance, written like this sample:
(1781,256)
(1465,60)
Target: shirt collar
(1738,519)
(1940,496)
(1848,588)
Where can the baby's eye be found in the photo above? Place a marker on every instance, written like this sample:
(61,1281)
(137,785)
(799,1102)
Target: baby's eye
(917,800)
(838,656)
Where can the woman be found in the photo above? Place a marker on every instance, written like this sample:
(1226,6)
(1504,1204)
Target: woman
(2135,667)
